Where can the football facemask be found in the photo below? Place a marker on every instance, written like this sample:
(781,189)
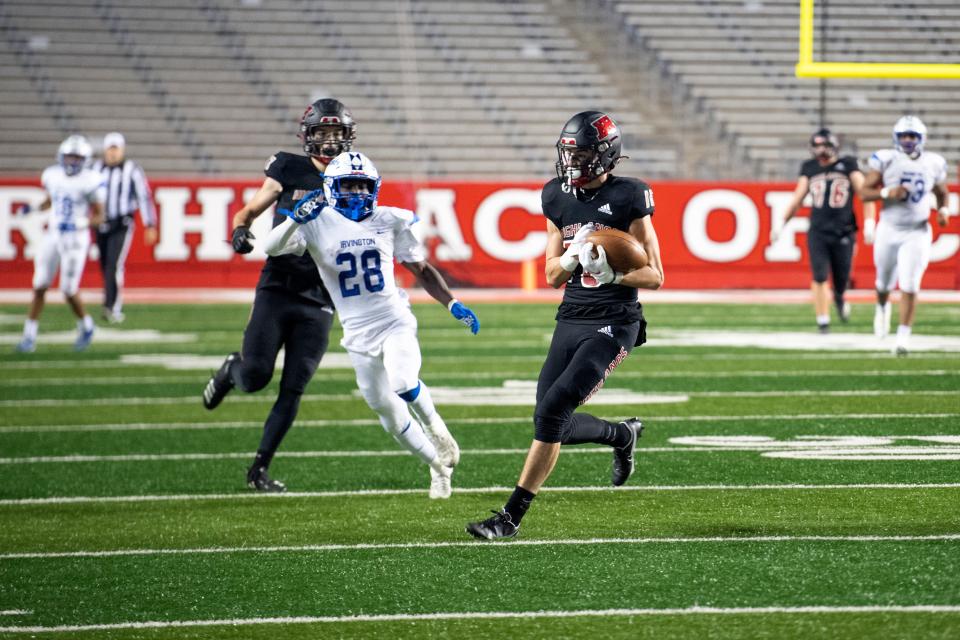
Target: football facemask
(351,185)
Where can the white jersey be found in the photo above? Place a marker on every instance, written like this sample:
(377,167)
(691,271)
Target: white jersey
(70,198)
(356,261)
(918,175)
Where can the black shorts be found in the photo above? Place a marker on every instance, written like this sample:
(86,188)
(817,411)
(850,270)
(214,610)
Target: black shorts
(830,253)
(580,359)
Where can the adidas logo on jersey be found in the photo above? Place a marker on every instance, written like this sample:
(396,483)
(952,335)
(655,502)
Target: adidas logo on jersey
(607,331)
(606,209)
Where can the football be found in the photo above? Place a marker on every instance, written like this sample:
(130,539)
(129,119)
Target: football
(624,252)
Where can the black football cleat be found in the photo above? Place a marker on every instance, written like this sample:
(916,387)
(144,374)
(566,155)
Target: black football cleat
(500,525)
(219,384)
(623,456)
(259,480)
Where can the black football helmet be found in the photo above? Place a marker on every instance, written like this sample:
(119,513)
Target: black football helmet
(326,112)
(823,144)
(589,146)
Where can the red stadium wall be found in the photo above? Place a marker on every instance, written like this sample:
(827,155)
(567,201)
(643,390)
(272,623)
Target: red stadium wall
(712,235)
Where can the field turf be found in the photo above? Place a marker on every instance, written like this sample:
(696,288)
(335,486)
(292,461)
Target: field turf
(780,493)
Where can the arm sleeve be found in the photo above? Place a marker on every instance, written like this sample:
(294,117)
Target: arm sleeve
(148,215)
(275,167)
(97,189)
(285,238)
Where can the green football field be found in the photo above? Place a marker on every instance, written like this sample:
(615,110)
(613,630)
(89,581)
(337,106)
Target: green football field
(789,485)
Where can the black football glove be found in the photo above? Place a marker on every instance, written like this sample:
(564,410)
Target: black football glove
(241,240)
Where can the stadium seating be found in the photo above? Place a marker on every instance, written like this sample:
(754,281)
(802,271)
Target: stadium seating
(473,90)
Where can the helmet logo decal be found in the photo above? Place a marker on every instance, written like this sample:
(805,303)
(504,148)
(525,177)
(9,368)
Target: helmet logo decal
(356,162)
(604,126)
(329,120)
(568,141)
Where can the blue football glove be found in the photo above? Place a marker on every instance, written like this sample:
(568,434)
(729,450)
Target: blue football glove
(308,208)
(464,315)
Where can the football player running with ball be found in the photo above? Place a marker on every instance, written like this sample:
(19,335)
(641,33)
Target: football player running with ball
(354,242)
(291,308)
(599,320)
(903,178)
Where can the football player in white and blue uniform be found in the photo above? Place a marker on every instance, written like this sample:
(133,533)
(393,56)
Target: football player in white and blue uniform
(904,179)
(354,244)
(75,196)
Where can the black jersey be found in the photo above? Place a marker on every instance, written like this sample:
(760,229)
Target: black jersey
(615,205)
(832,195)
(296,274)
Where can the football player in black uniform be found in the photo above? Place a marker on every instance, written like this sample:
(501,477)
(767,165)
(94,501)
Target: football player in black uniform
(291,308)
(831,182)
(599,320)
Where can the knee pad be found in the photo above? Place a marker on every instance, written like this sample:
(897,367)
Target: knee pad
(253,375)
(548,427)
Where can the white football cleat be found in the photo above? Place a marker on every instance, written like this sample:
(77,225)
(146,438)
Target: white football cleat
(440,487)
(448,451)
(881,320)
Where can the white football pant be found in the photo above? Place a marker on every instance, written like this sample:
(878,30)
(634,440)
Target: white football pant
(67,251)
(901,256)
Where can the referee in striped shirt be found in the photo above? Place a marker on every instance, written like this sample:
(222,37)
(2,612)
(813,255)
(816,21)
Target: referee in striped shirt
(127,191)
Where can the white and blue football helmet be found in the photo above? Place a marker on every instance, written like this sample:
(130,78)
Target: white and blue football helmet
(74,154)
(910,124)
(348,168)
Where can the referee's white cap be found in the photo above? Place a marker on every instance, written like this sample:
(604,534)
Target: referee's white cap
(114,139)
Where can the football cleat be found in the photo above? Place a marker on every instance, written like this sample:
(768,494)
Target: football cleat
(623,456)
(219,384)
(824,329)
(84,338)
(500,525)
(447,448)
(440,482)
(259,480)
(27,345)
(901,351)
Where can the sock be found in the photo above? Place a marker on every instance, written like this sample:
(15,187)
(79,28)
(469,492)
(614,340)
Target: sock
(278,423)
(903,333)
(262,459)
(413,439)
(518,503)
(420,403)
(85,323)
(823,319)
(584,428)
(30,328)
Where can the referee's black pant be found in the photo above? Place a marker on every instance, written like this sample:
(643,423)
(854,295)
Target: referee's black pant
(113,241)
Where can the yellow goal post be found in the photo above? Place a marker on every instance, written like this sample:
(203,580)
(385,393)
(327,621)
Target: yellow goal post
(808,68)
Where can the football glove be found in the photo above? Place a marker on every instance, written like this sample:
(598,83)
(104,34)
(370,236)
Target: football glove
(598,267)
(308,208)
(571,257)
(241,240)
(464,315)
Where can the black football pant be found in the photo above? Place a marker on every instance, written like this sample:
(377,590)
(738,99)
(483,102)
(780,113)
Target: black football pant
(831,255)
(581,357)
(302,328)
(113,244)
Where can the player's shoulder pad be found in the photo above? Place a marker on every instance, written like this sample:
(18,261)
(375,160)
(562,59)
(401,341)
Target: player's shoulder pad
(397,215)
(49,172)
(881,158)
(551,189)
(276,163)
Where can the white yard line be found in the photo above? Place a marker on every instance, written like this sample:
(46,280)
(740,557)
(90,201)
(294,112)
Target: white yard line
(785,447)
(310,548)
(74,381)
(251,495)
(496,615)
(266,398)
(525,419)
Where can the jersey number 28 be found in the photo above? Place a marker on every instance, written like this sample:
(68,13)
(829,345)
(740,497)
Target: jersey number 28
(372,275)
